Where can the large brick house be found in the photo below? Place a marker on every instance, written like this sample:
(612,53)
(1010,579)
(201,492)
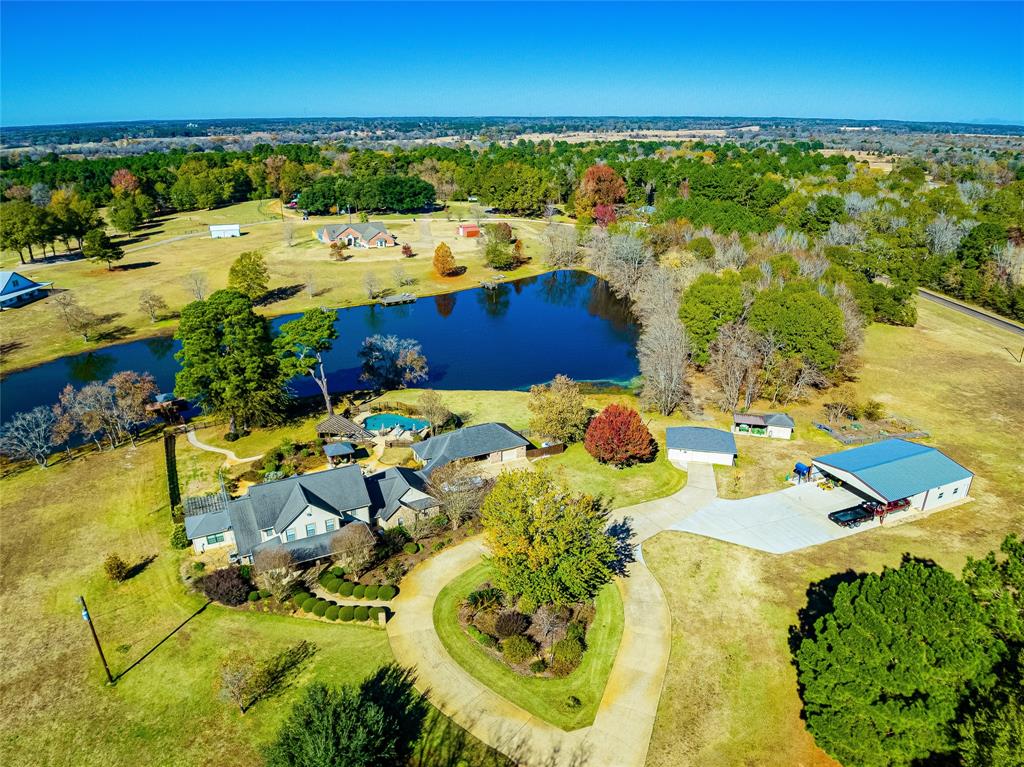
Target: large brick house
(369,235)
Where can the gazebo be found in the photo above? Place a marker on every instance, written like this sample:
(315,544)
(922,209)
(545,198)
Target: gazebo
(339,452)
(338,427)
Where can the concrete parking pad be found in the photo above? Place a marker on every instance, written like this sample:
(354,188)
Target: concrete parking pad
(787,520)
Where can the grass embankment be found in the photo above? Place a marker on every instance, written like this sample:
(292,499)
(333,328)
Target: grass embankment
(730,694)
(541,696)
(59,524)
(162,255)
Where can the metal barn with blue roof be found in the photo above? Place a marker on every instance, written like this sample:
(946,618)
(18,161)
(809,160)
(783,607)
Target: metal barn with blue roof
(895,469)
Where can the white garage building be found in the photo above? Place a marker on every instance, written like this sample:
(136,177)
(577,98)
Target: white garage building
(700,444)
(895,469)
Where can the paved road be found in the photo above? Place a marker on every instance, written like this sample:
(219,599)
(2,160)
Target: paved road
(621,732)
(955,305)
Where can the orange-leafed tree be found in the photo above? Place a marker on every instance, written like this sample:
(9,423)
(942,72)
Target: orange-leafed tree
(444,261)
(600,185)
(617,435)
(123,181)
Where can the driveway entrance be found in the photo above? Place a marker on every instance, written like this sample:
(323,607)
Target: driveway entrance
(778,522)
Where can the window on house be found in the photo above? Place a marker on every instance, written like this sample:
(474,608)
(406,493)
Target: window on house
(329,525)
(310,529)
(941,494)
(268,533)
(216,538)
(956,490)
(290,534)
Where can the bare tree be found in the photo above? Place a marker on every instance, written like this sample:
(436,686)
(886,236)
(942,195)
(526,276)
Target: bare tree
(656,293)
(132,392)
(812,267)
(288,230)
(546,622)
(434,408)
(371,284)
(195,282)
(628,259)
(353,545)
(732,356)
(664,353)
(275,570)
(152,304)
(309,279)
(77,318)
(563,248)
(401,278)
(238,679)
(459,491)
(29,435)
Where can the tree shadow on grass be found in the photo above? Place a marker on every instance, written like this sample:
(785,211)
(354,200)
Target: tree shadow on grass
(135,265)
(140,566)
(282,293)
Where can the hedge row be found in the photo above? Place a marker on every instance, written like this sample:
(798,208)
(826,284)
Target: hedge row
(324,609)
(358,590)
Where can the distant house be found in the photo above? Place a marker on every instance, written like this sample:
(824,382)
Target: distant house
(225,230)
(700,444)
(468,230)
(775,425)
(304,514)
(371,235)
(17,290)
(492,442)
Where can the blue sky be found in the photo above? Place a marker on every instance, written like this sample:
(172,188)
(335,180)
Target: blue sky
(84,62)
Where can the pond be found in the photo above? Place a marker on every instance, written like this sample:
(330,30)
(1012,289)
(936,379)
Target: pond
(521,333)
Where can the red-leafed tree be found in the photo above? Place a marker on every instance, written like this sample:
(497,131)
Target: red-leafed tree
(617,435)
(604,214)
(124,181)
(600,186)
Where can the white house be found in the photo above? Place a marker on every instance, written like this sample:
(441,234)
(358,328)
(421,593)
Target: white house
(225,230)
(895,469)
(700,444)
(774,425)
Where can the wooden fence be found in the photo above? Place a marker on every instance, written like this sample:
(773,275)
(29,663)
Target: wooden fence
(540,452)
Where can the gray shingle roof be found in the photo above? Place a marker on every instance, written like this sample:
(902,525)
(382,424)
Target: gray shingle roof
(316,546)
(701,439)
(398,486)
(366,231)
(201,525)
(468,442)
(343,427)
(764,419)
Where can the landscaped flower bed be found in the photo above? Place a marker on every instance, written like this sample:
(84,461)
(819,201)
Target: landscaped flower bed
(532,657)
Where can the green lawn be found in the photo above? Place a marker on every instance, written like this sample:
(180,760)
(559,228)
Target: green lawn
(59,524)
(543,697)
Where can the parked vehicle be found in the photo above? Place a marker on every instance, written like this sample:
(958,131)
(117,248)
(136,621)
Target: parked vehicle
(880,509)
(852,517)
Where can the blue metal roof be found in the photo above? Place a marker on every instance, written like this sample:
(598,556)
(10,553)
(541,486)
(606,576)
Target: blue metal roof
(700,439)
(896,468)
(338,449)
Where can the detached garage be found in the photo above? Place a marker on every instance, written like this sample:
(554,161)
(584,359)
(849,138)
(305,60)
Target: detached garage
(700,444)
(895,469)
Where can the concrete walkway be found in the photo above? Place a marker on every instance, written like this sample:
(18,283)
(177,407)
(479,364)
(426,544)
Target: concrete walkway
(621,732)
(229,457)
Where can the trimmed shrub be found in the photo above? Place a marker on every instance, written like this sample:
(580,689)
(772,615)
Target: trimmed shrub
(332,613)
(538,666)
(320,608)
(372,591)
(359,591)
(485,639)
(338,572)
(324,576)
(179,540)
(565,656)
(299,599)
(116,568)
(516,649)
(510,623)
(245,571)
(411,547)
(573,703)
(387,592)
(577,631)
(346,613)
(263,593)
(227,586)
(309,604)
(362,613)
(485,620)
(346,588)
(332,584)
(254,596)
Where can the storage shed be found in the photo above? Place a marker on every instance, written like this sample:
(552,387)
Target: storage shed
(225,230)
(775,425)
(469,230)
(895,469)
(700,444)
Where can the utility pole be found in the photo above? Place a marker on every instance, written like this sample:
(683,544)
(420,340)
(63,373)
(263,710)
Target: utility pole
(88,619)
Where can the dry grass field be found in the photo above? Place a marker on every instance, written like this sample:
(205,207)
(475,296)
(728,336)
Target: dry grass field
(302,274)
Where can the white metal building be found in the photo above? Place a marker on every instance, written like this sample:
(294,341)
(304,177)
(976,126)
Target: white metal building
(700,444)
(225,230)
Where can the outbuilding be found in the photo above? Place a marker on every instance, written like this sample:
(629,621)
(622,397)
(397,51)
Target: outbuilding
(775,425)
(895,470)
(18,290)
(700,444)
(469,230)
(218,231)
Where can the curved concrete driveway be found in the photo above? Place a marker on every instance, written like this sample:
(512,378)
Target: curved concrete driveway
(621,731)
(229,456)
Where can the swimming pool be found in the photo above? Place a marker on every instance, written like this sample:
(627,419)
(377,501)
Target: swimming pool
(388,421)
